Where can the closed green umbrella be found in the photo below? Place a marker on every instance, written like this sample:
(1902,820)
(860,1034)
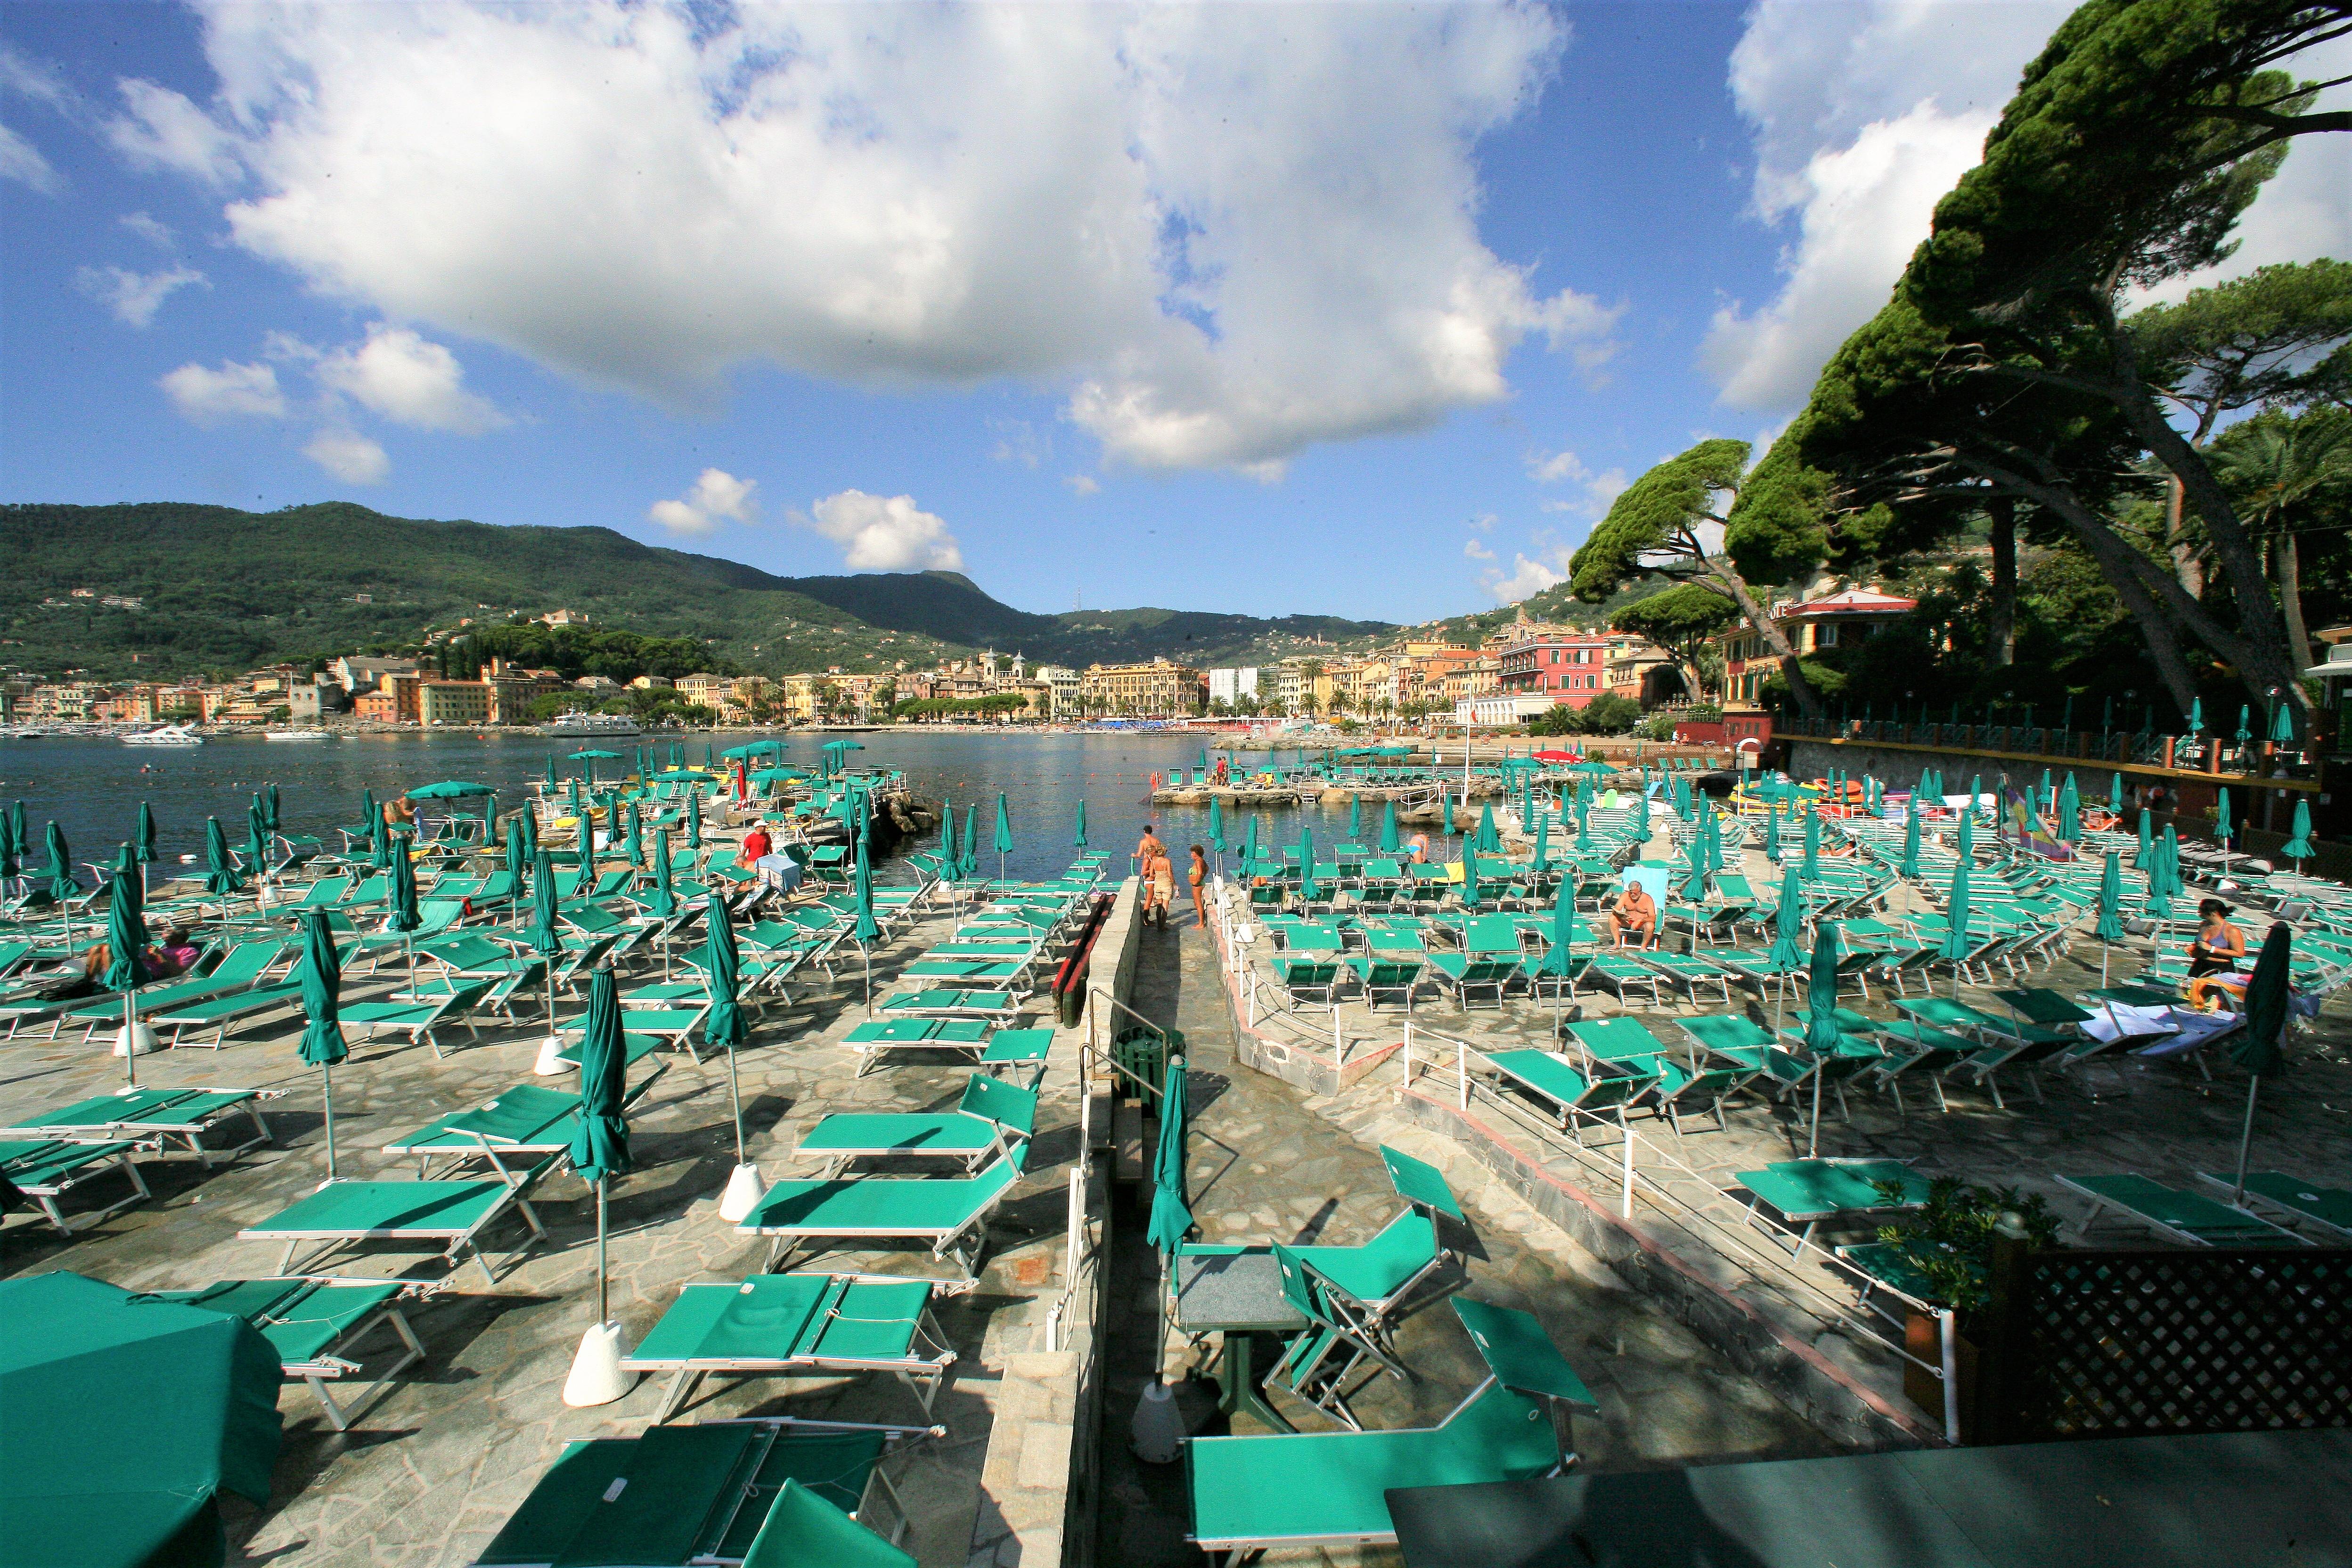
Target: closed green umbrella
(1584,845)
(1976,789)
(1354,819)
(969,863)
(2221,828)
(583,850)
(1788,949)
(2196,715)
(1307,890)
(1910,866)
(1171,1215)
(2115,794)
(2158,904)
(2262,1047)
(2245,724)
(143,842)
(544,938)
(1444,818)
(550,770)
(2109,925)
(1470,895)
(1543,843)
(2283,724)
(663,904)
(694,816)
(1694,886)
(600,1148)
(404,918)
(1003,834)
(1955,945)
(947,840)
(1078,838)
(2173,884)
(867,929)
(1490,842)
(256,854)
(2070,813)
(62,885)
(1967,845)
(528,820)
(220,872)
(11,851)
(1771,833)
(725,1027)
(1821,1019)
(2146,855)
(2297,847)
(1812,868)
(1217,828)
(322,1033)
(1388,827)
(633,842)
(126,970)
(1710,832)
(20,833)
(269,808)
(1249,843)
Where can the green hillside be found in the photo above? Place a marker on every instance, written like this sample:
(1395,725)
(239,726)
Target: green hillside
(222,590)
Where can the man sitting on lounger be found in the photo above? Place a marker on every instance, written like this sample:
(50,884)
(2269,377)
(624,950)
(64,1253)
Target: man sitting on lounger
(1635,915)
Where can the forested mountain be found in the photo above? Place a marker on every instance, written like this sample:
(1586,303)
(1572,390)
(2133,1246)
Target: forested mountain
(217,589)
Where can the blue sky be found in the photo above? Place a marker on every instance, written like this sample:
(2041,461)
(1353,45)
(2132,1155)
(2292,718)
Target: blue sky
(1361,309)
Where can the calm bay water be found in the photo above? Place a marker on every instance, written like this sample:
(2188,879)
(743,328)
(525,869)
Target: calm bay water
(93,787)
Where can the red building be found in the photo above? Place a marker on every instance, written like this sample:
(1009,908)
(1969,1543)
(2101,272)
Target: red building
(1572,668)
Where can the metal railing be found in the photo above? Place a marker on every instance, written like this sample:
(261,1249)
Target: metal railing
(1690,1197)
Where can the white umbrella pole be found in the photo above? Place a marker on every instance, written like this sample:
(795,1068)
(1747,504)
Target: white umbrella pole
(603,1311)
(327,1097)
(2246,1137)
(131,1043)
(1813,1136)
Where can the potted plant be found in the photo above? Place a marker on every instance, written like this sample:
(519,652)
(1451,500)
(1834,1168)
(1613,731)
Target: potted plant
(1939,1254)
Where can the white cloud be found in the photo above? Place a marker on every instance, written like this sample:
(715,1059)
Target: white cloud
(1225,263)
(883,533)
(716,494)
(134,297)
(161,129)
(409,381)
(1475,551)
(158,234)
(209,396)
(22,161)
(1528,575)
(1595,491)
(347,456)
(1083,484)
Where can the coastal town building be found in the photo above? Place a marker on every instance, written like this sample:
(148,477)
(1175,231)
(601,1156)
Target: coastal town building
(1566,667)
(1823,621)
(1160,690)
(446,704)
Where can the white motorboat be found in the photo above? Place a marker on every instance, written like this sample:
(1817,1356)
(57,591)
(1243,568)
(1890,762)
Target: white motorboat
(294,734)
(165,735)
(578,725)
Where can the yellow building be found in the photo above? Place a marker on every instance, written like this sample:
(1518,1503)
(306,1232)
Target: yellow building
(1157,690)
(453,702)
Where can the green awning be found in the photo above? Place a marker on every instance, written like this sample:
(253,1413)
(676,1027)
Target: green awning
(450,789)
(125,1415)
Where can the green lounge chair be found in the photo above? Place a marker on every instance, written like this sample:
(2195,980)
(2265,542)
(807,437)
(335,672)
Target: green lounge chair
(1618,1041)
(1679,1085)
(218,1013)
(996,1005)
(942,1212)
(635,1048)
(1548,1079)
(2188,1217)
(992,1119)
(156,1115)
(797,1325)
(972,974)
(453,1214)
(881,1037)
(1018,1049)
(1378,974)
(1803,1195)
(2302,1202)
(1688,971)
(1320,1362)
(45,1169)
(240,969)
(746,1491)
(528,1121)
(1329,1489)
(315,1321)
(418,1019)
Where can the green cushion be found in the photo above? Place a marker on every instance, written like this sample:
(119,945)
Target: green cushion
(301,1319)
(880,1205)
(430,1209)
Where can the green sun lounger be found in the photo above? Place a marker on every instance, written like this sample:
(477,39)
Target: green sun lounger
(452,1215)
(315,1321)
(992,1119)
(528,1121)
(951,1214)
(1329,1488)
(998,1005)
(240,969)
(972,974)
(418,1020)
(2189,1217)
(1018,1049)
(1462,973)
(1380,974)
(797,1325)
(879,1036)
(219,1013)
(45,1169)
(1548,1077)
(2302,1202)
(757,1492)
(159,1114)
(634,1048)
(1619,1040)
(1803,1195)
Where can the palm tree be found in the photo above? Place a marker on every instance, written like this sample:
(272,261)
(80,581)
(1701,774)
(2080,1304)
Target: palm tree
(2276,466)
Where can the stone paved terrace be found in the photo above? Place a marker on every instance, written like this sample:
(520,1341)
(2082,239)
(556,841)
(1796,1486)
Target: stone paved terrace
(429,1473)
(1268,1162)
(1789,1322)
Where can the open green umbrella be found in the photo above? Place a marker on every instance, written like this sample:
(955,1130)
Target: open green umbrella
(1079,836)
(600,1148)
(1910,866)
(725,1027)
(591,757)
(1812,868)
(1003,834)
(126,970)
(1821,1036)
(322,1033)
(88,1483)
(1954,944)
(2297,847)
(2109,925)
(220,872)
(2262,1047)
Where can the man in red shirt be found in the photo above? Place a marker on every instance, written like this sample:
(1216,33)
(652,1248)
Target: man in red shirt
(757,845)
